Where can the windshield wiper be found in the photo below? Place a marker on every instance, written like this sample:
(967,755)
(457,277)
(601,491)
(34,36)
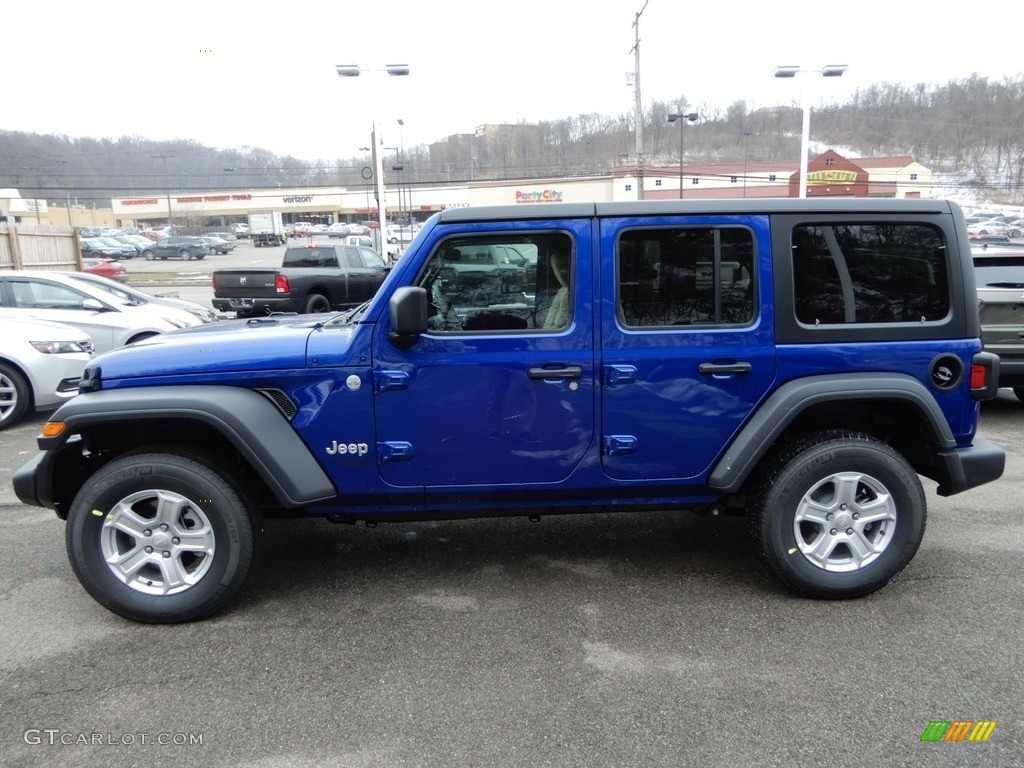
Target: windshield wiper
(358,310)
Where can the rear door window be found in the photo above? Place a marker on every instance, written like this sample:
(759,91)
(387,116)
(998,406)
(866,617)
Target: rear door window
(679,276)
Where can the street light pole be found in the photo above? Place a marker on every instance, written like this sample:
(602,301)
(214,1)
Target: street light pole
(638,111)
(746,143)
(830,70)
(393,70)
(367,175)
(167,187)
(682,118)
(64,183)
(400,166)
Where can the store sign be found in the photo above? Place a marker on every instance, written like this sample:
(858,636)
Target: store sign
(297,199)
(140,201)
(831,177)
(539,196)
(212,198)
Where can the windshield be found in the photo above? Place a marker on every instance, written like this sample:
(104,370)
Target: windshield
(119,293)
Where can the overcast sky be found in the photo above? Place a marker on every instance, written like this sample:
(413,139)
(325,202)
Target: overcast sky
(232,74)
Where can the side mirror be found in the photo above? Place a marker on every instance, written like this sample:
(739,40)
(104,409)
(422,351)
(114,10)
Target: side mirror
(93,305)
(408,307)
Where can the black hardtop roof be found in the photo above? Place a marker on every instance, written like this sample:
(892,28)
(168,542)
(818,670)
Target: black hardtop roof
(774,205)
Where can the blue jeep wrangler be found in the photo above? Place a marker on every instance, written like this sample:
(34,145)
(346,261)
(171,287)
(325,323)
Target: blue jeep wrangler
(800,362)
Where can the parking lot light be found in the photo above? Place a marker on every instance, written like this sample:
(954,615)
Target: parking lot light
(788,71)
(393,70)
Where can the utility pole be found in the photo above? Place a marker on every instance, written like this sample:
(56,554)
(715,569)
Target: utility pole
(638,107)
(167,187)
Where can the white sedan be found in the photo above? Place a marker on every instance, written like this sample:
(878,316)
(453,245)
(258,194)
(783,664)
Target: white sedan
(40,366)
(993,227)
(111,322)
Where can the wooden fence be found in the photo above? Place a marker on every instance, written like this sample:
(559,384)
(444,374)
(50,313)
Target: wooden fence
(33,246)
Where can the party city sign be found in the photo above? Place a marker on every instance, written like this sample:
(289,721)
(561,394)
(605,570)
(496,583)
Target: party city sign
(538,196)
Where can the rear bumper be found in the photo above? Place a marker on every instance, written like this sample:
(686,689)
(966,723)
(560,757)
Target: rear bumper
(250,306)
(970,467)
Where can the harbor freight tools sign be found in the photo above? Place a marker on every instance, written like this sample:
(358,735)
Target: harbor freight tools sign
(958,730)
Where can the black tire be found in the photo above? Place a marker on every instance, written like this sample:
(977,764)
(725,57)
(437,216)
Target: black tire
(185,254)
(149,255)
(15,395)
(137,529)
(1014,233)
(315,304)
(864,490)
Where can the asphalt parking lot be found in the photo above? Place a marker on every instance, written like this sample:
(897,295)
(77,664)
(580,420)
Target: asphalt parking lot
(650,639)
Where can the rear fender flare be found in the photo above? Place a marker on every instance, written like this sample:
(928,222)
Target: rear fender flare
(793,398)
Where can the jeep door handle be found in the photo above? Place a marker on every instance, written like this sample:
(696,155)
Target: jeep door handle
(717,369)
(551,374)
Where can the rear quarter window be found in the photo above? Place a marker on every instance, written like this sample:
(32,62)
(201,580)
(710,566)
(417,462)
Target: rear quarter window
(869,273)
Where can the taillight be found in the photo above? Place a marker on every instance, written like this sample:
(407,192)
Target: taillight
(281,284)
(979,376)
(984,376)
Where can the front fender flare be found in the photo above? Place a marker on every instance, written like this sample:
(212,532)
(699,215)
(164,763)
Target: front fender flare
(247,419)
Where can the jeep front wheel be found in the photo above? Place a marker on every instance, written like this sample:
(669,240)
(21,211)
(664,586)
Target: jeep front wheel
(161,537)
(837,514)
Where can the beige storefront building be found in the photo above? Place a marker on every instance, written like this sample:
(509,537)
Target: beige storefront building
(829,174)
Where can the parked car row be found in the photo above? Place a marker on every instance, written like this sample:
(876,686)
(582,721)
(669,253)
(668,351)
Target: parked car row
(51,324)
(108,231)
(107,268)
(178,247)
(41,364)
(1004,225)
(220,242)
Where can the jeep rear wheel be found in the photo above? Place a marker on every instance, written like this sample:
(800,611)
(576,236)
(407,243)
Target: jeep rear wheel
(837,514)
(161,537)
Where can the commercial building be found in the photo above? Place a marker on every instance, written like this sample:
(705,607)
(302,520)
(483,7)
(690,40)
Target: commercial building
(829,174)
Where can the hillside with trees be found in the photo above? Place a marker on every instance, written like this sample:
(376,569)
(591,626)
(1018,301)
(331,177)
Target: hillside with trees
(969,128)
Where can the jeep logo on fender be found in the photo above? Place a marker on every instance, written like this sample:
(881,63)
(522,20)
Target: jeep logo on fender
(355,449)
